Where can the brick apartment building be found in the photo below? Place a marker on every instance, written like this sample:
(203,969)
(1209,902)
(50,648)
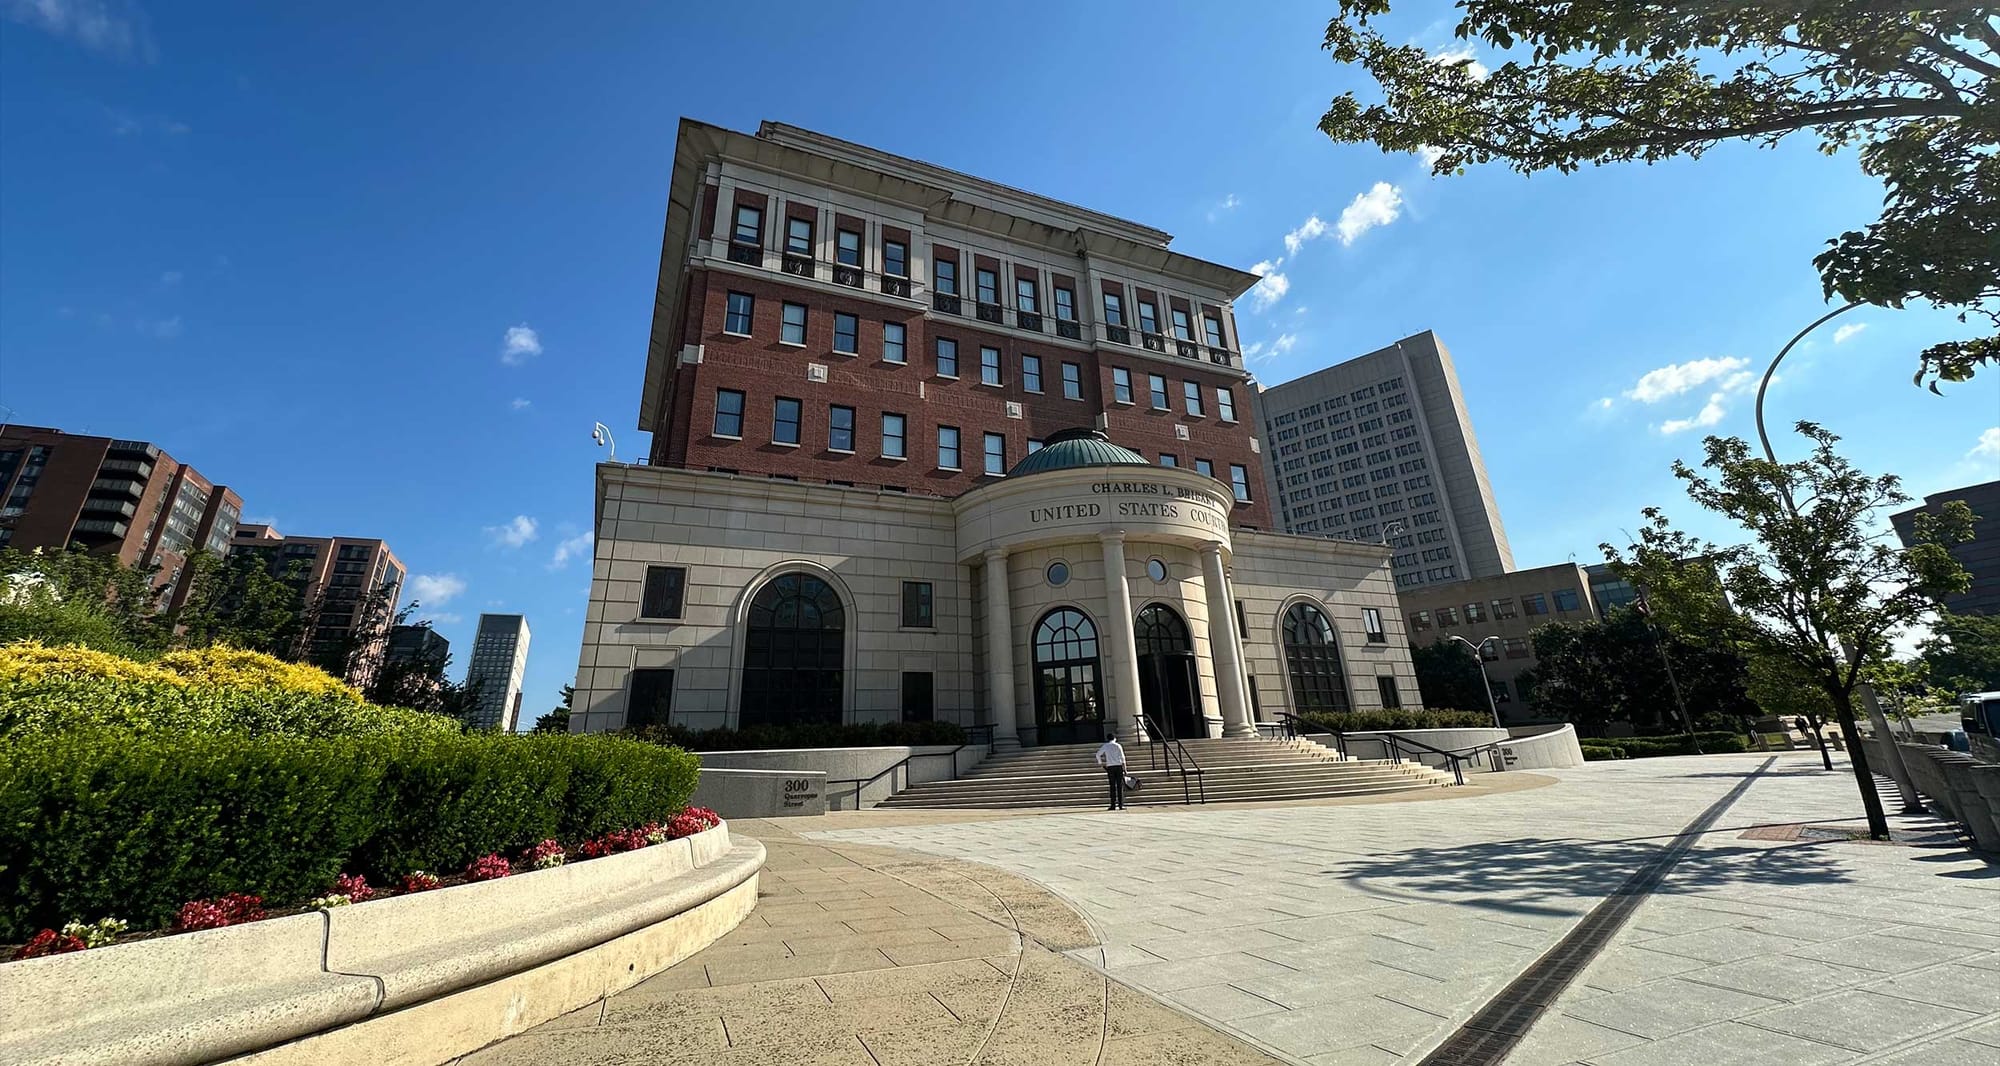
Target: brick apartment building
(345,569)
(124,498)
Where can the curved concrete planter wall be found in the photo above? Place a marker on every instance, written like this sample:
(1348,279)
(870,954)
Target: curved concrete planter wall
(415,979)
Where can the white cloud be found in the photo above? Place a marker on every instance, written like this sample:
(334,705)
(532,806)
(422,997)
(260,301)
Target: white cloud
(1844,333)
(1988,446)
(1313,227)
(1656,385)
(171,277)
(1271,286)
(1284,343)
(165,329)
(1710,413)
(1300,310)
(1463,54)
(1229,203)
(521,344)
(1379,206)
(571,548)
(1429,156)
(517,531)
(93,24)
(1253,350)
(520,404)
(435,590)
(444,618)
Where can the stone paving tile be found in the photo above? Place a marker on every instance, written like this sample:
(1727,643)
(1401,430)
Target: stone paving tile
(1947,1052)
(1559,1039)
(1861,1021)
(1964,987)
(1783,976)
(1333,1026)
(1721,945)
(1664,1007)
(1728,1044)
(1619,970)
(1882,952)
(1223,1002)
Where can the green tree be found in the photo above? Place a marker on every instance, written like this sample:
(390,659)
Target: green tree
(77,596)
(1910,88)
(1448,676)
(1592,674)
(1962,653)
(1820,574)
(557,721)
(1782,690)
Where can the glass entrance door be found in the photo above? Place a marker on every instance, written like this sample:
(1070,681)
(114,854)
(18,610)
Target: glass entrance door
(1169,684)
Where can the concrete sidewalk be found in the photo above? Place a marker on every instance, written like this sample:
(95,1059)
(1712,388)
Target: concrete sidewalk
(866,956)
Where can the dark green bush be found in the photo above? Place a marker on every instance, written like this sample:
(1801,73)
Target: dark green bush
(1602,752)
(1711,743)
(99,823)
(806,735)
(1402,718)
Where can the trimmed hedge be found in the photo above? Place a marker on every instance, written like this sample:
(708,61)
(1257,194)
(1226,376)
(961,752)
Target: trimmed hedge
(102,822)
(212,690)
(1410,718)
(1601,752)
(1712,743)
(768,737)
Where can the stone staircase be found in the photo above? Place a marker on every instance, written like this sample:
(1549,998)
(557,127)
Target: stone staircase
(1064,775)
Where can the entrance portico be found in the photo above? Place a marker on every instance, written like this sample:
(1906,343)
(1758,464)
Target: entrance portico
(1032,534)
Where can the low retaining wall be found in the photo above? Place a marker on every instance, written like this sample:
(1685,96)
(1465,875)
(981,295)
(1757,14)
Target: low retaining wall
(1960,785)
(1542,748)
(1545,748)
(761,793)
(410,980)
(844,767)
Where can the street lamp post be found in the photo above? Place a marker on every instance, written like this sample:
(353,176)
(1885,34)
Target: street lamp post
(1479,654)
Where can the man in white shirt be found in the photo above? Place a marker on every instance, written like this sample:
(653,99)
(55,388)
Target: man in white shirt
(1112,757)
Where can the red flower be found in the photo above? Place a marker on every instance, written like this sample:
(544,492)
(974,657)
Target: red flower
(234,908)
(354,886)
(542,856)
(488,868)
(419,881)
(48,942)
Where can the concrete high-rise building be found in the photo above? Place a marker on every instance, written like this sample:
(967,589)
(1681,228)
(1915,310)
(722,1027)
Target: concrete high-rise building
(1980,555)
(418,644)
(499,660)
(338,574)
(1380,448)
(122,498)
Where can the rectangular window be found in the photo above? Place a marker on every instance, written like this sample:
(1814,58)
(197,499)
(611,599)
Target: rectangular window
(793,328)
(1025,296)
(1239,480)
(1566,600)
(1065,305)
(1114,310)
(1242,626)
(749,225)
(1212,327)
(799,236)
(1225,404)
(944,276)
(1204,468)
(665,586)
(1181,331)
(989,366)
(1371,623)
(988,286)
(1516,647)
(652,698)
(1072,381)
(1121,384)
(1535,603)
(893,444)
(1031,373)
(728,413)
(1034,445)
(896,259)
(919,703)
(948,448)
(1149,317)
(996,454)
(1169,460)
(947,357)
(1191,393)
(741,306)
(1158,386)
(785,421)
(1447,617)
(893,334)
(1503,608)
(846,333)
(847,247)
(1500,693)
(1420,621)
(917,605)
(1391,699)
(1473,614)
(840,429)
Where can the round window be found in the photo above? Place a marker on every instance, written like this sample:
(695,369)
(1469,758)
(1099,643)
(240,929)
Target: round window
(1059,573)
(1156,570)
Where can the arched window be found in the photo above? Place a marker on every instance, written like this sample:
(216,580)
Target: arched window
(793,653)
(1313,657)
(1068,706)
(1161,632)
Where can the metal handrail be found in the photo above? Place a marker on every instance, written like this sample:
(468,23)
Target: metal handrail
(1178,758)
(1455,758)
(972,732)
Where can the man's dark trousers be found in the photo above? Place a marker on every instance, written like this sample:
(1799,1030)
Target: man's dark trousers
(1115,776)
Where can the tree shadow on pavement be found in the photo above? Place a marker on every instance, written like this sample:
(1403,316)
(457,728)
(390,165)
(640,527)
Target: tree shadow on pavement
(1534,876)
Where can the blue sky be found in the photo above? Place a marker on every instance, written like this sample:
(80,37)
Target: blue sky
(289,244)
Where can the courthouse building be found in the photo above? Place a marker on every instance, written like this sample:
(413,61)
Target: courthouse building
(930,447)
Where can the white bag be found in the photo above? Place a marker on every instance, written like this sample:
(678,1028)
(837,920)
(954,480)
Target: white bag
(1133,784)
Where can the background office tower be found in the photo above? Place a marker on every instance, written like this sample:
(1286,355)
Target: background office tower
(1980,555)
(499,659)
(350,627)
(124,498)
(1380,448)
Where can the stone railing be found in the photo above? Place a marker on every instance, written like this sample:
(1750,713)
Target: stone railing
(1959,785)
(414,979)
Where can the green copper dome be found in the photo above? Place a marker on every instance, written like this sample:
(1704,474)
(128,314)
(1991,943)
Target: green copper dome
(1074,448)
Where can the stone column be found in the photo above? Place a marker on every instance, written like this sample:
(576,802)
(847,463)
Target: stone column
(1222,645)
(1000,652)
(1115,637)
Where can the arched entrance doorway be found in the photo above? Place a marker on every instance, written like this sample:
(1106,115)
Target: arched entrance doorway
(1312,657)
(793,653)
(1069,705)
(1169,684)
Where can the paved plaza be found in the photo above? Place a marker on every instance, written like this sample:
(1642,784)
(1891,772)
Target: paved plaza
(1342,932)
